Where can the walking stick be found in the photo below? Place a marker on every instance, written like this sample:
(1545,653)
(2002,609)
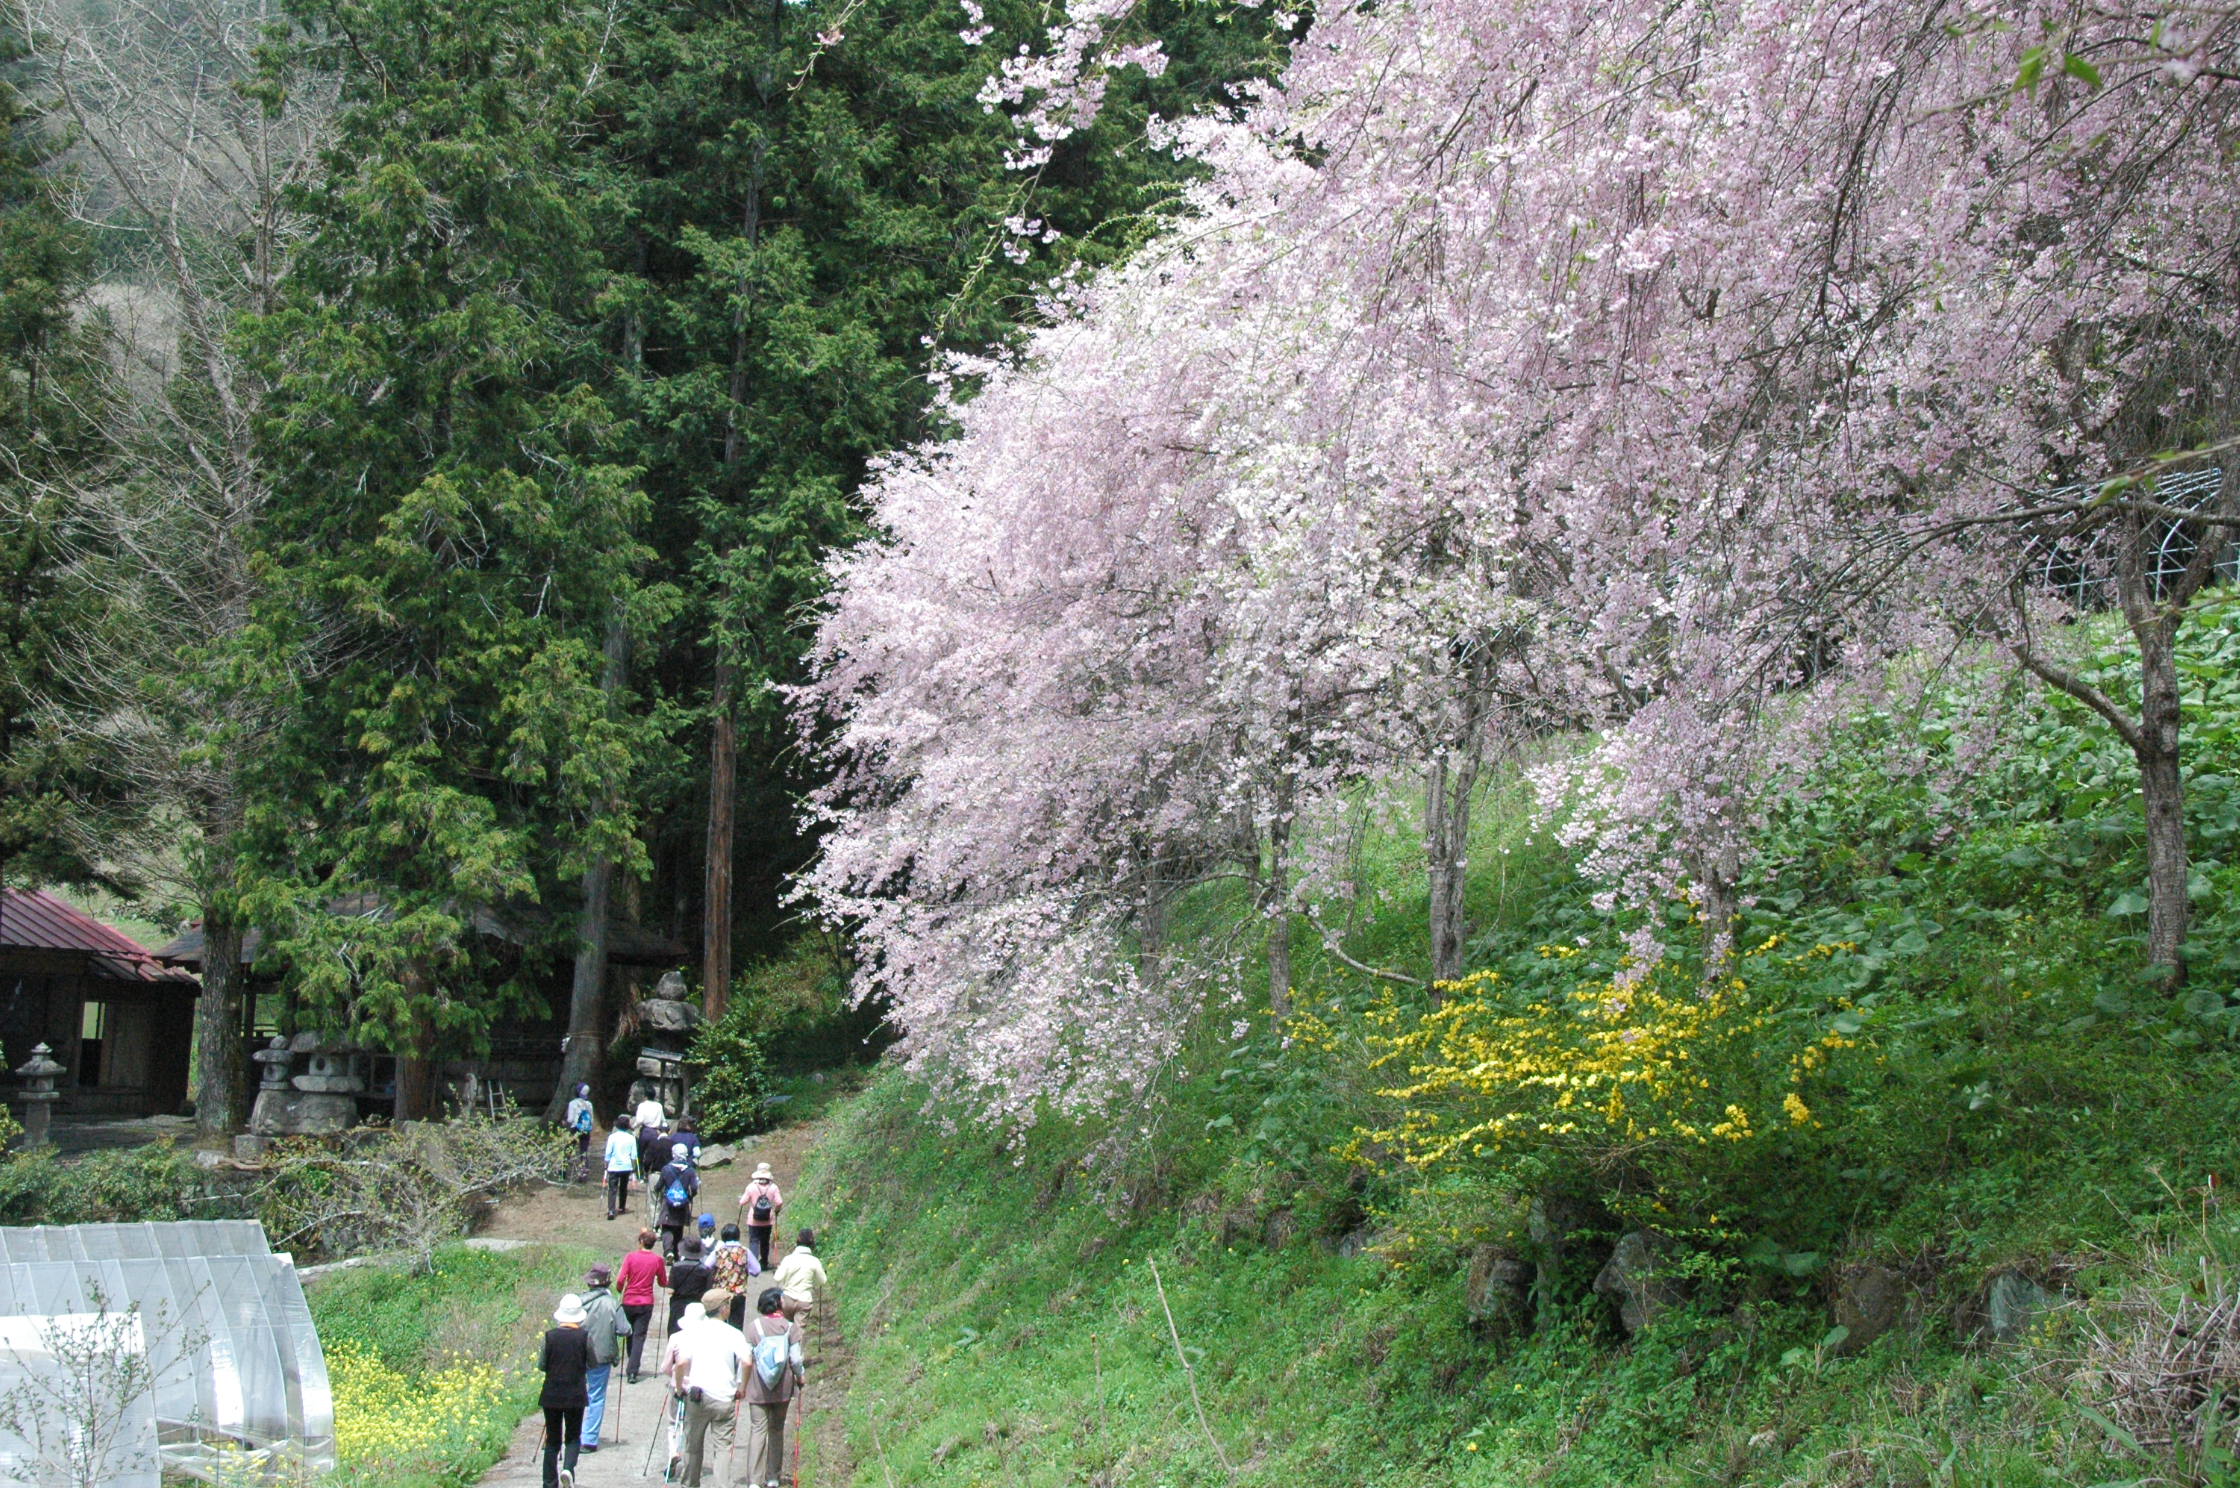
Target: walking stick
(801,1416)
(645,1470)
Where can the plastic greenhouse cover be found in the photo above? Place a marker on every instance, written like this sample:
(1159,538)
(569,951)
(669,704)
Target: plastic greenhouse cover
(191,1339)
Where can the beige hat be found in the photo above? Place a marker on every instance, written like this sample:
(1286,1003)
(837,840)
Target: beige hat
(716,1301)
(762,1170)
(570,1311)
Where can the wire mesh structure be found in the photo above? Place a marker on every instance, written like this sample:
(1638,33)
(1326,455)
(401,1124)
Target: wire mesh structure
(131,1354)
(2077,568)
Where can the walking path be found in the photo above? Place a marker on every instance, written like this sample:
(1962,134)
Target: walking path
(576,1215)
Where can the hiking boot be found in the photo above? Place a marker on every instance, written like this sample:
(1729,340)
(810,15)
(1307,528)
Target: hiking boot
(567,1478)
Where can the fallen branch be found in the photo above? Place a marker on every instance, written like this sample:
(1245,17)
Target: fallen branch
(1191,1374)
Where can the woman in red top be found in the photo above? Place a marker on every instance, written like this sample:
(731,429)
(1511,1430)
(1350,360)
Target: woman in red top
(642,1270)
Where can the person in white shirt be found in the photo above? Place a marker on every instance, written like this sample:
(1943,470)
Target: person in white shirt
(649,1116)
(621,1162)
(801,1277)
(711,1367)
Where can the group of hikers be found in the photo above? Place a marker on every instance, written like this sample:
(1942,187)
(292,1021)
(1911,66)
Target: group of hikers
(716,1361)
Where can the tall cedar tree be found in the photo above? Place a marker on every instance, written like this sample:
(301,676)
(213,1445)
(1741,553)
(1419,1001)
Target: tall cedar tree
(807,224)
(51,381)
(453,531)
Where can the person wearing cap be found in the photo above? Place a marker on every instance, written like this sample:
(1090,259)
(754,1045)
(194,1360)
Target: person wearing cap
(767,1400)
(801,1277)
(688,1278)
(759,1208)
(677,1176)
(709,1369)
(604,1327)
(566,1363)
(621,1162)
(642,1270)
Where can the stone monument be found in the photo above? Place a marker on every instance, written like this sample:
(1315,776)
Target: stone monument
(37,1097)
(320,1101)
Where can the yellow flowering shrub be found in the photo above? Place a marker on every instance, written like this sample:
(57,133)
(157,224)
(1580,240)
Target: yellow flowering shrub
(392,1424)
(1611,1070)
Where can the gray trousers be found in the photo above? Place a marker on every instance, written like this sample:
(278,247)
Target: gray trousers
(704,1419)
(766,1443)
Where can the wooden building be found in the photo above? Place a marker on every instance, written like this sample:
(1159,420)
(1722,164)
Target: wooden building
(520,1058)
(120,1022)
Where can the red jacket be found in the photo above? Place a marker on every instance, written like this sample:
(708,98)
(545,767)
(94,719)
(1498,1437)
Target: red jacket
(642,1270)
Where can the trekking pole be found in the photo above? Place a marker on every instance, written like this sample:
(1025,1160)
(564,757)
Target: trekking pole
(653,1436)
(800,1419)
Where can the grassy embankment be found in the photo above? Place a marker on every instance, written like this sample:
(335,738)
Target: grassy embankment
(433,1372)
(1940,967)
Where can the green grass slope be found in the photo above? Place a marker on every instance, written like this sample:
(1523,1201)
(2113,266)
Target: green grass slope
(1952,1076)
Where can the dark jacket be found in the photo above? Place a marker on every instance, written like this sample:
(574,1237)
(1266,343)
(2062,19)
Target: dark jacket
(566,1360)
(670,1212)
(688,1282)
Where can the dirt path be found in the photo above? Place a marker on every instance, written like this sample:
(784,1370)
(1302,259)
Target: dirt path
(576,1215)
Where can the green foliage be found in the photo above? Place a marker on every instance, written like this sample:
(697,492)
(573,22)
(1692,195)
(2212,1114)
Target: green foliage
(796,1005)
(730,1076)
(156,1181)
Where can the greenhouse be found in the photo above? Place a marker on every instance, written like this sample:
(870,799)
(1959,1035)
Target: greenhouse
(135,1353)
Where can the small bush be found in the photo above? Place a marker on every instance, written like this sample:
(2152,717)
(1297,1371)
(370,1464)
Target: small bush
(731,1076)
(157,1181)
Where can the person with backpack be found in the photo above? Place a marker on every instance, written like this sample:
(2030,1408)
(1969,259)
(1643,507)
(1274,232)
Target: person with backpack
(688,1278)
(734,1267)
(604,1327)
(711,1365)
(778,1371)
(760,1207)
(801,1278)
(642,1270)
(566,1361)
(580,1120)
(677,1185)
(621,1161)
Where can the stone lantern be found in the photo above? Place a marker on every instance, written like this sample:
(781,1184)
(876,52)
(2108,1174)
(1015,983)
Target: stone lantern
(38,1094)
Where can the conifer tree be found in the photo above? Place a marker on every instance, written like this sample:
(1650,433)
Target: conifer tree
(454,525)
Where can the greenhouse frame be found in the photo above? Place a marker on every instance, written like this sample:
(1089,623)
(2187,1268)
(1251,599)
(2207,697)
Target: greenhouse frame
(132,1354)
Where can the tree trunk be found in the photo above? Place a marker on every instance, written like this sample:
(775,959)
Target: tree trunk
(1446,844)
(2162,788)
(416,1065)
(221,1085)
(1718,873)
(723,764)
(581,1053)
(1275,903)
(723,742)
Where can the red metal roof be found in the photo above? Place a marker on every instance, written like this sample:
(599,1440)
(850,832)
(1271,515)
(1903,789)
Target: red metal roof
(33,920)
